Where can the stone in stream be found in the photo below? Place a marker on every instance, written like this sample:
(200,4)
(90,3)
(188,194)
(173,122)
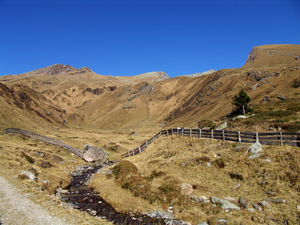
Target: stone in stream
(95,154)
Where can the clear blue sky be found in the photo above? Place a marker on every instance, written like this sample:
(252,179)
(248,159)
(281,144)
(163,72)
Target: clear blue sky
(130,37)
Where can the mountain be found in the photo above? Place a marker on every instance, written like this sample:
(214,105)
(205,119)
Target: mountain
(147,100)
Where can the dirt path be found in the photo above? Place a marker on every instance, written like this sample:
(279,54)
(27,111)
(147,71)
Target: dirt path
(16,208)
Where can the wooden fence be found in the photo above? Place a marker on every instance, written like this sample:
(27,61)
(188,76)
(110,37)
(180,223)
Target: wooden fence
(76,151)
(271,138)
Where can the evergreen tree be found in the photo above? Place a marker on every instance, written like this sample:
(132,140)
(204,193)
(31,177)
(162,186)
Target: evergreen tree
(240,102)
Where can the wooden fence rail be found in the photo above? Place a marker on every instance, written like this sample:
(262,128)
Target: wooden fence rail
(76,151)
(271,138)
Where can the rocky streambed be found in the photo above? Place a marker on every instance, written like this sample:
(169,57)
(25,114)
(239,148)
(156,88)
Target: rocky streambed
(80,196)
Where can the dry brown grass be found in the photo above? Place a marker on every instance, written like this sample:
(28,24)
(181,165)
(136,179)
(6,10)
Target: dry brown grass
(18,153)
(184,160)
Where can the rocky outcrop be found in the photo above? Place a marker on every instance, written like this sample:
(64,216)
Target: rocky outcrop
(94,154)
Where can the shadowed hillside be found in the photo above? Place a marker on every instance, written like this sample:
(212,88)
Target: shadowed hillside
(23,107)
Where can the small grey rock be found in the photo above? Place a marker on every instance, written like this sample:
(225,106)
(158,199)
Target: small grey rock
(266,204)
(270,193)
(227,205)
(236,186)
(277,200)
(244,202)
(256,206)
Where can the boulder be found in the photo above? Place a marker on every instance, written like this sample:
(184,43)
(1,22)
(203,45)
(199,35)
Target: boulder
(255,148)
(93,154)
(187,189)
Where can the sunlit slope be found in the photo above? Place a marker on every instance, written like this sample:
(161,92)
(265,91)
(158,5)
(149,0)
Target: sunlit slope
(183,101)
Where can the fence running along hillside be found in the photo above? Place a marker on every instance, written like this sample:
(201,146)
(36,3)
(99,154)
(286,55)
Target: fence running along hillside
(76,151)
(271,138)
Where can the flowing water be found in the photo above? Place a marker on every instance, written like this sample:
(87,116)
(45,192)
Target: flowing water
(82,197)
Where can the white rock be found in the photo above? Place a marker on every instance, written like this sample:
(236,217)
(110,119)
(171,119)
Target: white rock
(222,126)
(255,148)
(28,174)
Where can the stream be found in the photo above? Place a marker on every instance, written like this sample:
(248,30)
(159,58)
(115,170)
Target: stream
(84,198)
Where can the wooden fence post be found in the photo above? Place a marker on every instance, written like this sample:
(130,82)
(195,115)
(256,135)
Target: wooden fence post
(223,132)
(182,131)
(200,133)
(172,131)
(167,133)
(132,152)
(190,132)
(281,142)
(160,133)
(239,133)
(212,134)
(146,144)
(257,137)
(140,149)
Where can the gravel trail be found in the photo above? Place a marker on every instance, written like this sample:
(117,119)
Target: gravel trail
(16,208)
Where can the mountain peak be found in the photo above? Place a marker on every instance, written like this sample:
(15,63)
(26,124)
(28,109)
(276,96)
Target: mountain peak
(55,69)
